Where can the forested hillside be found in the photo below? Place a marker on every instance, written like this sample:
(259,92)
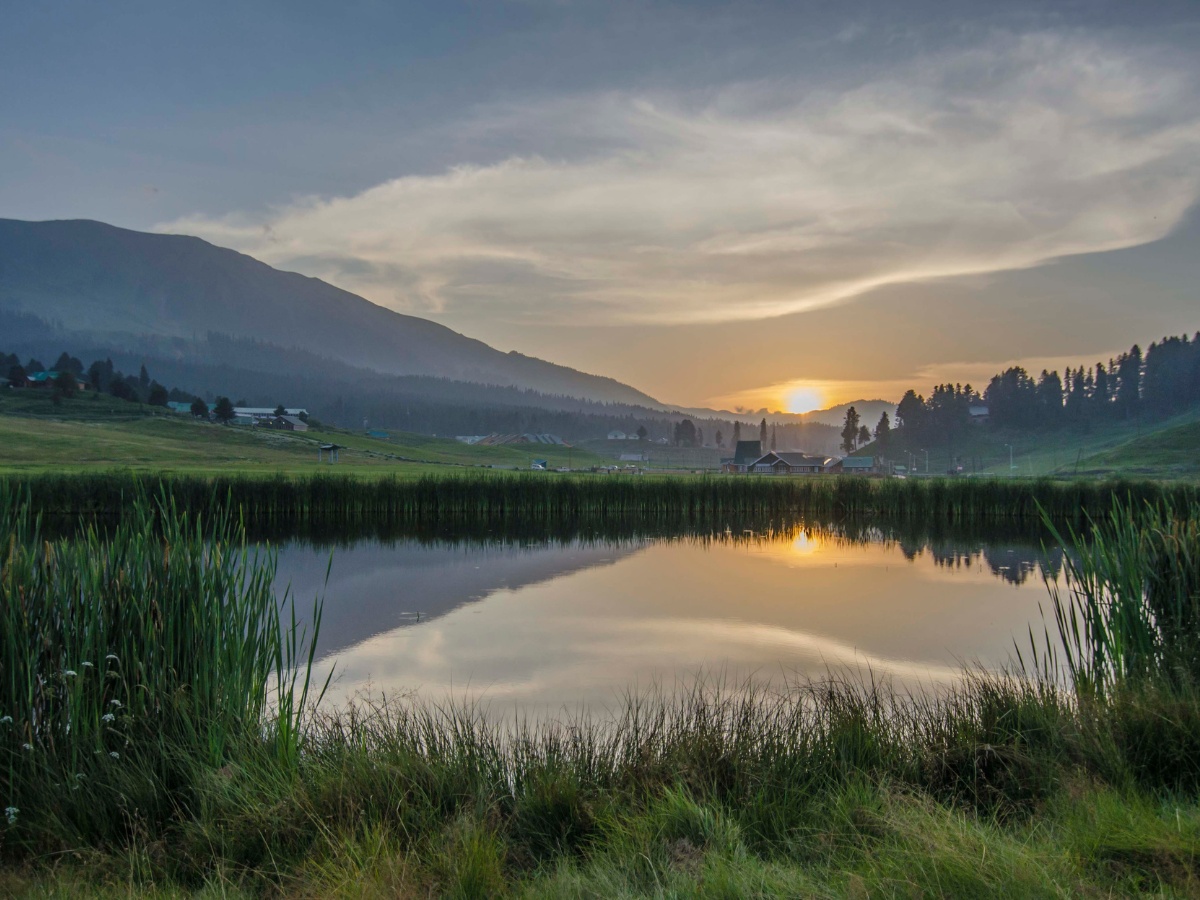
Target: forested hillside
(1135,388)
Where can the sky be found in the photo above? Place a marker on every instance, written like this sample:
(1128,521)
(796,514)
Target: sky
(751,204)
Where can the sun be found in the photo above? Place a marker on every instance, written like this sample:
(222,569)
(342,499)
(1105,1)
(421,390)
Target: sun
(802,398)
(806,544)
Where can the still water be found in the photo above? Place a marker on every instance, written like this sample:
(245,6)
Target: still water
(547,627)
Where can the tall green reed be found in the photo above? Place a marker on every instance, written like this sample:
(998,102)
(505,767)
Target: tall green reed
(504,499)
(157,645)
(1130,609)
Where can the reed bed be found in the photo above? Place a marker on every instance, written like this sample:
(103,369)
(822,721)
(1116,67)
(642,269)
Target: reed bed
(1130,609)
(525,499)
(124,657)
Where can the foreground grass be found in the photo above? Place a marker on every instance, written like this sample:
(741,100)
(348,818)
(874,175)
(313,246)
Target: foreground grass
(833,790)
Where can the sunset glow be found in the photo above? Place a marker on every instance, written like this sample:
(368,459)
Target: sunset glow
(802,398)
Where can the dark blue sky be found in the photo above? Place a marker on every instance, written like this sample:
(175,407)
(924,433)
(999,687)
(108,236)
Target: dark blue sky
(658,173)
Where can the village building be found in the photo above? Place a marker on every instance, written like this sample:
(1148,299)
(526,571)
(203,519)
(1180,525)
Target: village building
(856,465)
(499,440)
(789,463)
(745,453)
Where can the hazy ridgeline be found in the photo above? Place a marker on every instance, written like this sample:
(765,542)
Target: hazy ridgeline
(555,500)
(202,775)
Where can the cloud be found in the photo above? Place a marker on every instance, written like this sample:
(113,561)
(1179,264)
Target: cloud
(766,198)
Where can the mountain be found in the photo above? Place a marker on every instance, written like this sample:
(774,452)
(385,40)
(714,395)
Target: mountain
(868,411)
(124,288)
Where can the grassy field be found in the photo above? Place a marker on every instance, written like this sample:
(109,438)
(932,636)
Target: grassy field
(1169,452)
(84,434)
(1129,449)
(96,431)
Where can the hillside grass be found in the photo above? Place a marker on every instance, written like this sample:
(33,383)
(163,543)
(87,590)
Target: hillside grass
(1169,452)
(1159,450)
(85,434)
(92,432)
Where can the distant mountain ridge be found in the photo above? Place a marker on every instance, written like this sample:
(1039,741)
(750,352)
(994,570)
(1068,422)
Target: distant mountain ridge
(113,284)
(868,413)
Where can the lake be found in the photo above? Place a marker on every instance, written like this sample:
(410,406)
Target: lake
(547,626)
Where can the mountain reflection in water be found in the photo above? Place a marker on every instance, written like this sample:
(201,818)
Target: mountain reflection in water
(542,624)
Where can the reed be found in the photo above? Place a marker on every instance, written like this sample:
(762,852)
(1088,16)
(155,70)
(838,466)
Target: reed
(528,499)
(127,657)
(1130,608)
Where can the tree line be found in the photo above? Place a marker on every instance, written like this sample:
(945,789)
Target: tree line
(1160,382)
(103,377)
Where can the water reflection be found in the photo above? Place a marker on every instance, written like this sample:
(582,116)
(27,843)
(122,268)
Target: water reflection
(541,624)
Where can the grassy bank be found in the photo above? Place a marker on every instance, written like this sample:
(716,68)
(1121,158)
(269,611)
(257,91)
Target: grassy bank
(203,776)
(998,790)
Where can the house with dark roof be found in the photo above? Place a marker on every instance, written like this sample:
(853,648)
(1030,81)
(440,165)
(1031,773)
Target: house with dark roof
(788,463)
(745,453)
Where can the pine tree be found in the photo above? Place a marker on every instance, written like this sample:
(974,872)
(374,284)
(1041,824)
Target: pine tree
(883,429)
(850,430)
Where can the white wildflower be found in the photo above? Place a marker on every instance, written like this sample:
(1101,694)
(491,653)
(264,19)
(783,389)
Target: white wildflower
(5,720)
(88,665)
(69,673)
(112,657)
(115,755)
(27,747)
(108,717)
(116,703)
(10,813)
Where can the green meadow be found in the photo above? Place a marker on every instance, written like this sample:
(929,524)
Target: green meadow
(85,434)
(1163,450)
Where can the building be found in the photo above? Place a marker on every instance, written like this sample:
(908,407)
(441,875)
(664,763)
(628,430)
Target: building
(47,379)
(633,457)
(295,423)
(788,463)
(617,435)
(255,412)
(745,453)
(857,465)
(498,440)
(978,414)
